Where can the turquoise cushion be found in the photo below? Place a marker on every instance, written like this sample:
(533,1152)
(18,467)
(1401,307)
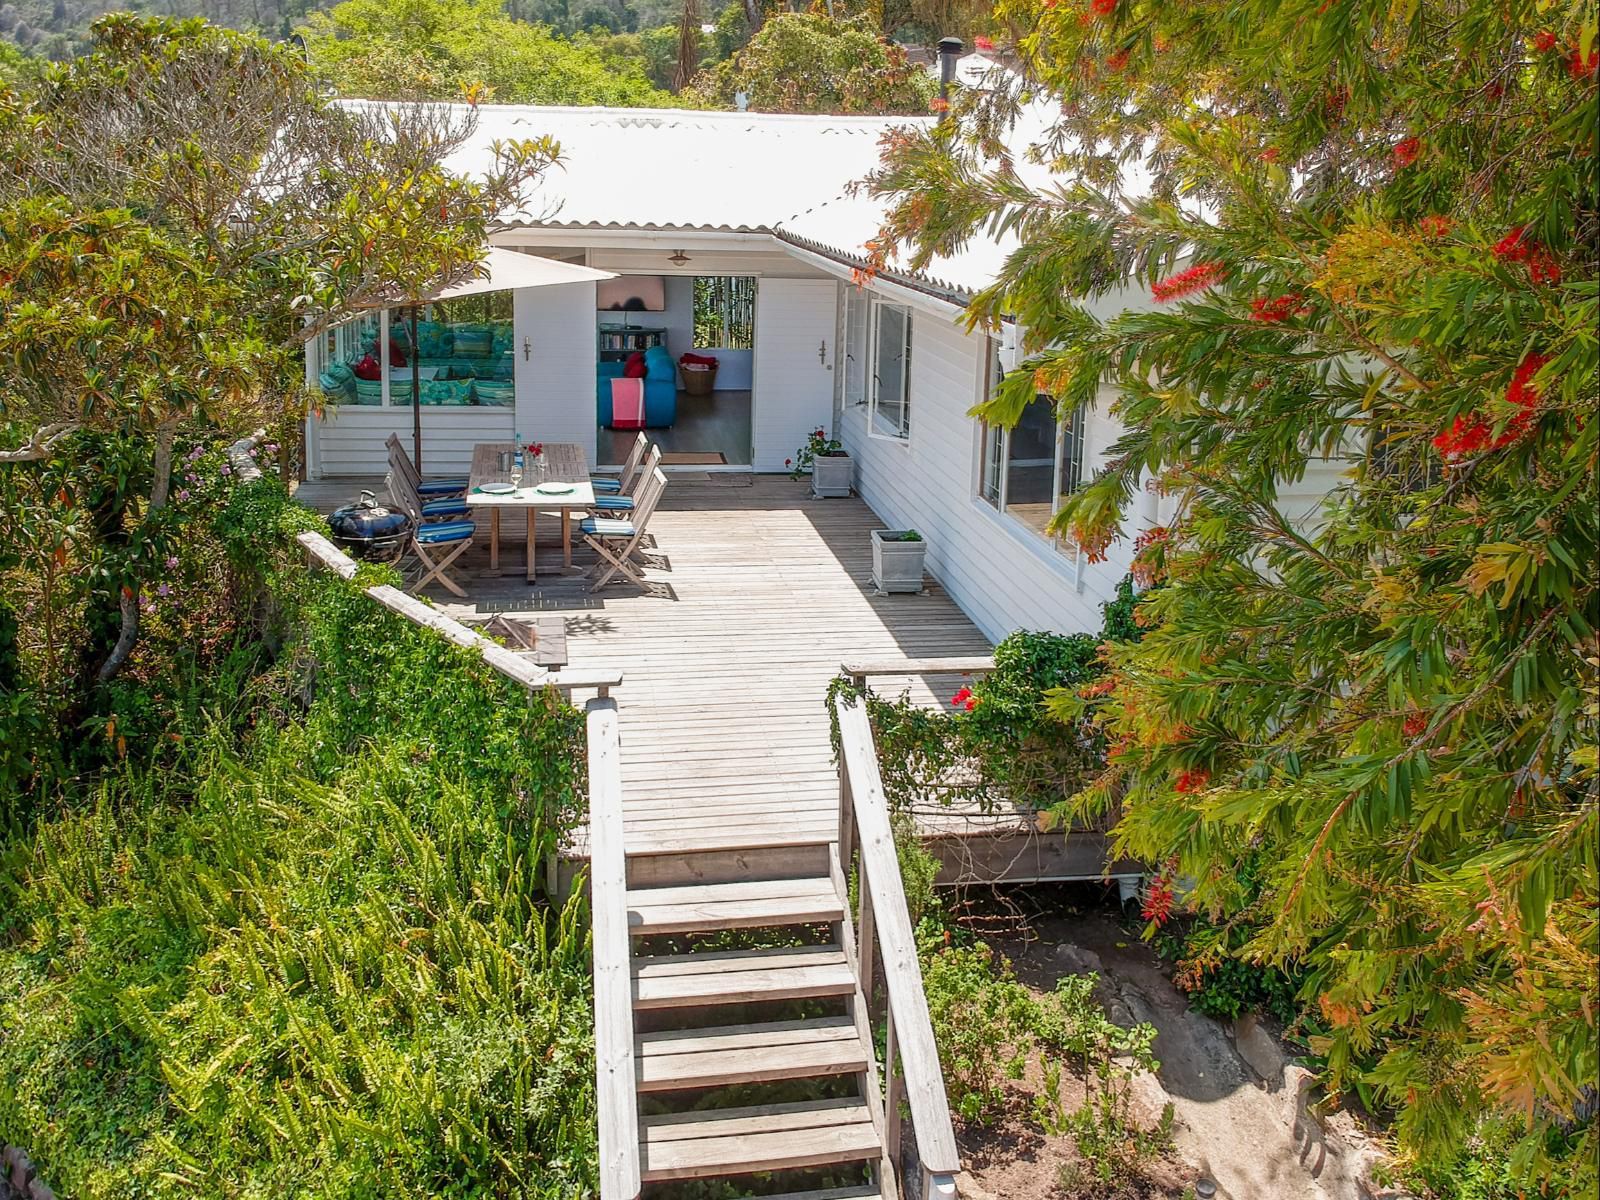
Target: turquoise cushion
(446,531)
(601,484)
(435,339)
(501,334)
(614,503)
(447,391)
(658,362)
(369,391)
(606,527)
(445,508)
(499,393)
(473,341)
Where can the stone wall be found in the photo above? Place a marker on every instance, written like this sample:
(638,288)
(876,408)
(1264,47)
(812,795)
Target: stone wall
(18,1181)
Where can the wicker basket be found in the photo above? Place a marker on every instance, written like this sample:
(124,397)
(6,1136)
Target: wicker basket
(697,381)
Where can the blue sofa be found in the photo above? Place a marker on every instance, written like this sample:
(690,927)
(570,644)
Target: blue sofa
(660,389)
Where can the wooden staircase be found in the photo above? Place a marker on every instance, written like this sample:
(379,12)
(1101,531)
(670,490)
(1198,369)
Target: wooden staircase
(734,1004)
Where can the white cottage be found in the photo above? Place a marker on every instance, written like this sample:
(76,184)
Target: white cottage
(733,236)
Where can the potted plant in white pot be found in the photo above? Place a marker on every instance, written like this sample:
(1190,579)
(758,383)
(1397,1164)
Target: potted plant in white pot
(832,470)
(897,560)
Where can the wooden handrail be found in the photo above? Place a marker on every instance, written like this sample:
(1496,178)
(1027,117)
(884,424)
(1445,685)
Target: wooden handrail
(513,666)
(911,1059)
(615,1085)
(861,671)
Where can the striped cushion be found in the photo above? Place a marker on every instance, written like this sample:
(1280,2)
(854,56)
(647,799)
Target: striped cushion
(446,531)
(606,527)
(614,503)
(441,487)
(445,508)
(601,484)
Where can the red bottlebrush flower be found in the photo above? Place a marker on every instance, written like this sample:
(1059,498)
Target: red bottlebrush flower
(1103,8)
(1158,901)
(1543,267)
(1544,41)
(982,43)
(1270,154)
(1515,246)
(1415,723)
(1405,152)
(1466,436)
(939,104)
(1118,60)
(1581,68)
(1469,434)
(1190,782)
(1277,309)
(1436,226)
(1196,279)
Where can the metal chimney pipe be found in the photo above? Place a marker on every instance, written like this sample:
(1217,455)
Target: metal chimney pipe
(950,49)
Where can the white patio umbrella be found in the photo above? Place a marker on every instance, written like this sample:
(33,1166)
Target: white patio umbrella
(502,271)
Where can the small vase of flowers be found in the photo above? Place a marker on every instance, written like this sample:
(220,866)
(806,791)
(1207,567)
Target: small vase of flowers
(832,470)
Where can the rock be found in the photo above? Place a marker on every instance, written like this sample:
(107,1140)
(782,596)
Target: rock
(1371,1169)
(969,1188)
(40,1192)
(1259,1050)
(21,1170)
(1079,960)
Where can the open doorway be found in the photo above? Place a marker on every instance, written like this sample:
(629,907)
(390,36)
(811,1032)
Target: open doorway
(696,408)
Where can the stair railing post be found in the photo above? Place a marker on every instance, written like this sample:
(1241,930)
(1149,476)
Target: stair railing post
(894,1092)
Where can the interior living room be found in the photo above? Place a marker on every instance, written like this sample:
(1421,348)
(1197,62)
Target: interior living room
(675,356)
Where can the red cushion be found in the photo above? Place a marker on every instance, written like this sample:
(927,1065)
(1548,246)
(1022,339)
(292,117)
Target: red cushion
(397,354)
(634,368)
(367,368)
(698,360)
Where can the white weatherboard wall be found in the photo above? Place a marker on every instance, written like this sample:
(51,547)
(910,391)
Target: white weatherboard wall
(556,381)
(348,439)
(1002,575)
(794,357)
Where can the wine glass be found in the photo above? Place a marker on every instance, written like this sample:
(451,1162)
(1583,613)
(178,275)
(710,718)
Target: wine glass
(516,471)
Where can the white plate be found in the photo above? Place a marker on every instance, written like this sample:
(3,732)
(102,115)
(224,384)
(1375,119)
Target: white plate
(556,489)
(496,489)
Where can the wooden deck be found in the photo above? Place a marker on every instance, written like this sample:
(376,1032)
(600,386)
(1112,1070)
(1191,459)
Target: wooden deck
(759,594)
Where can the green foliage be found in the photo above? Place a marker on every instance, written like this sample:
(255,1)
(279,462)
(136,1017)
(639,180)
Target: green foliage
(808,62)
(446,49)
(818,445)
(983,1021)
(1384,224)
(309,954)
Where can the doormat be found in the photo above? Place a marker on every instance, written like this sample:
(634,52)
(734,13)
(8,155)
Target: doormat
(693,458)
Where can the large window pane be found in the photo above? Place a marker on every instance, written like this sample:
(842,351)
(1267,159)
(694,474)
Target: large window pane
(891,409)
(855,347)
(1071,477)
(1030,465)
(992,446)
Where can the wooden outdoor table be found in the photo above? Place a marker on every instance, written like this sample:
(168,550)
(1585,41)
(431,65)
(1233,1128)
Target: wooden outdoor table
(563,463)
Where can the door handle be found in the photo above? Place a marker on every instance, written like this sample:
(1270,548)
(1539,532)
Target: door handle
(822,352)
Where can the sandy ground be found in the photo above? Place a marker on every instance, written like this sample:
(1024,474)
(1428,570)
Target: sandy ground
(1239,1101)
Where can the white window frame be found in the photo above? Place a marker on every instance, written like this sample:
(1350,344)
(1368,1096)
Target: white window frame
(858,350)
(901,432)
(1000,440)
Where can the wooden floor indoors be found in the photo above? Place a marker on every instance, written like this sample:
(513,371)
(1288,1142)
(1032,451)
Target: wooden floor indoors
(759,594)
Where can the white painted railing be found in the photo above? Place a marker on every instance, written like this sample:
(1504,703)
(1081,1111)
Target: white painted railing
(860,672)
(883,932)
(513,666)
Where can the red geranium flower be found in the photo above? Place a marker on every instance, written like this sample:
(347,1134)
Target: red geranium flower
(1544,41)
(1406,151)
(1196,279)
(964,699)
(982,43)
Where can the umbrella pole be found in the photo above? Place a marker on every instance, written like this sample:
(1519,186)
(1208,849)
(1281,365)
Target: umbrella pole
(416,394)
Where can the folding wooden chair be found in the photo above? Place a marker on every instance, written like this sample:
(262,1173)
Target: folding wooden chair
(429,540)
(615,539)
(426,488)
(624,481)
(622,505)
(402,475)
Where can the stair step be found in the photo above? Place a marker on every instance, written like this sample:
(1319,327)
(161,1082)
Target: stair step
(767,1137)
(703,908)
(740,976)
(730,1054)
(865,1191)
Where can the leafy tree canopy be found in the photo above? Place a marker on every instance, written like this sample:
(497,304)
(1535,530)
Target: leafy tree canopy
(807,62)
(1369,233)
(443,49)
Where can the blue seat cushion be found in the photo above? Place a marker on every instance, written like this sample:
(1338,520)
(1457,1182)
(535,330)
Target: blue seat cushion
(441,487)
(446,531)
(445,508)
(601,484)
(614,503)
(606,527)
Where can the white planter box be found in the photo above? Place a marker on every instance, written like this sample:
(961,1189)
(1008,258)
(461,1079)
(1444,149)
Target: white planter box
(832,475)
(897,565)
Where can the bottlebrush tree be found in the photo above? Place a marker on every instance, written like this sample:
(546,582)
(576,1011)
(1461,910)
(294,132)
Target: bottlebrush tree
(1367,232)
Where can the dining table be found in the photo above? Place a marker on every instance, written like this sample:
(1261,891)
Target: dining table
(554,481)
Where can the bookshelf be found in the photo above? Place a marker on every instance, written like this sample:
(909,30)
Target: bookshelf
(616,342)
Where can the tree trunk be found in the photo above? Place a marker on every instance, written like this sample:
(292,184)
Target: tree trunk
(688,46)
(129,605)
(755,16)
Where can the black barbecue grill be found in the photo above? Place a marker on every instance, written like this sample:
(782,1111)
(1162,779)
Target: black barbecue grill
(368,529)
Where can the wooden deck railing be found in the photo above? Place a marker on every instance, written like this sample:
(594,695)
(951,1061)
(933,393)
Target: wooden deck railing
(513,666)
(615,1087)
(860,672)
(883,931)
